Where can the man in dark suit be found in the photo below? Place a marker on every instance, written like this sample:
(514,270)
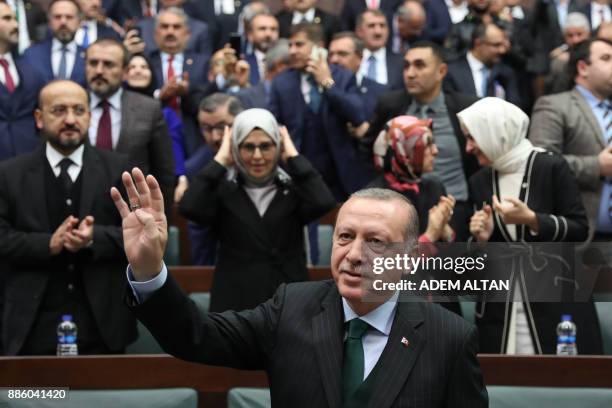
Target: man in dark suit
(378,63)
(33,28)
(480,72)
(200,38)
(60,57)
(19,87)
(305,11)
(598,11)
(353,8)
(422,96)
(220,15)
(262,33)
(408,26)
(125,121)
(61,236)
(316,102)
(92,26)
(346,50)
(177,72)
(321,344)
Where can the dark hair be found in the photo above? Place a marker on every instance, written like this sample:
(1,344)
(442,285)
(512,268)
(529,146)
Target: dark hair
(69,1)
(109,41)
(213,102)
(375,12)
(149,90)
(436,49)
(313,31)
(581,52)
(357,43)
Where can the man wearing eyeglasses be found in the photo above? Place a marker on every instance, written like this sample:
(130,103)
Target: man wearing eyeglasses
(60,235)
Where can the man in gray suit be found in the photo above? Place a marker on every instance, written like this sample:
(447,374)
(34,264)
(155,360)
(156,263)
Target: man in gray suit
(321,344)
(124,121)
(578,124)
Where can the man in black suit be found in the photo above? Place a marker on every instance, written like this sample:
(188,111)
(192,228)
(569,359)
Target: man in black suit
(353,8)
(422,96)
(378,63)
(480,72)
(61,236)
(321,344)
(91,26)
(124,121)
(305,11)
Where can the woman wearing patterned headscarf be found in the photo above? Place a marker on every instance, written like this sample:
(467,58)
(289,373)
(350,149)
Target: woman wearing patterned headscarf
(523,194)
(404,151)
(258,210)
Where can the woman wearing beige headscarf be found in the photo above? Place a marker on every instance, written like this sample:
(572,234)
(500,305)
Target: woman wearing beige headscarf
(522,194)
(258,210)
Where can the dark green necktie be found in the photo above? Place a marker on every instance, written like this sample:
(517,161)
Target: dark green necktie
(352,370)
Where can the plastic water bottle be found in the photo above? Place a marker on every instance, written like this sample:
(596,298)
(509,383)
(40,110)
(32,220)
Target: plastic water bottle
(67,337)
(566,337)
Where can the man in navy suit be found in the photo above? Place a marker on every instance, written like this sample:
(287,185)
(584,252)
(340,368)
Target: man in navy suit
(353,8)
(60,57)
(346,50)
(315,102)
(178,72)
(480,72)
(262,34)
(378,63)
(91,26)
(19,86)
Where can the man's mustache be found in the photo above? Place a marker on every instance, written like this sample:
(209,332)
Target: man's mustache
(170,37)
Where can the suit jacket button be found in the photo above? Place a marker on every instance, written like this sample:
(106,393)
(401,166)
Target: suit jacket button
(71,287)
(71,267)
(68,201)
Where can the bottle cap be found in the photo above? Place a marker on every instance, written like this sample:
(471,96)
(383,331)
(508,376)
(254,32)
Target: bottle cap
(566,318)
(66,317)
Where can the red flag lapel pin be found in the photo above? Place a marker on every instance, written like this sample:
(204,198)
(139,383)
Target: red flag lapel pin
(405,342)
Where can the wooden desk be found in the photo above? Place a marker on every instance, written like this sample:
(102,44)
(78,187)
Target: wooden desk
(212,383)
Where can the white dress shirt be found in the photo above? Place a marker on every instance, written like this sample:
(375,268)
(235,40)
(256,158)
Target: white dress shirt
(375,4)
(92,32)
(476,67)
(177,65)
(596,12)
(96,112)
(309,15)
(22,23)
(224,7)
(381,64)
(457,11)
(54,158)
(260,57)
(12,70)
(305,87)
(56,56)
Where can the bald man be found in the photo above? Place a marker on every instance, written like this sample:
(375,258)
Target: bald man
(60,235)
(408,26)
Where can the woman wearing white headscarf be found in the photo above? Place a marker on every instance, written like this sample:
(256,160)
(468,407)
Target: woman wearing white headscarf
(523,194)
(258,210)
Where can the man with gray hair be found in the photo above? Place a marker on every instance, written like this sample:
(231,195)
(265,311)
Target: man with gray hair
(408,26)
(576,29)
(276,61)
(178,73)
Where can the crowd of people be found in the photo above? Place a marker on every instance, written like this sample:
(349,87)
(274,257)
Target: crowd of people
(492,118)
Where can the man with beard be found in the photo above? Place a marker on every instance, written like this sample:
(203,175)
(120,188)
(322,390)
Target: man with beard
(19,88)
(60,57)
(305,11)
(61,237)
(262,34)
(125,121)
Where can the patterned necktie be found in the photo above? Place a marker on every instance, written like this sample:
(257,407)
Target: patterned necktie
(64,177)
(315,96)
(372,71)
(8,78)
(104,138)
(354,361)
(62,72)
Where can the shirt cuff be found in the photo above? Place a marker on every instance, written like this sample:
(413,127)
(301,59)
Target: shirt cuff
(143,290)
(220,81)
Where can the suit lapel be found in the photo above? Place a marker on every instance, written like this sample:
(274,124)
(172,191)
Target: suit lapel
(400,354)
(327,333)
(35,186)
(128,114)
(89,179)
(588,114)
(157,68)
(78,71)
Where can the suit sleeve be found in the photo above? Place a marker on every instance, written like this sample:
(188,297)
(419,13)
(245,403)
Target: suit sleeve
(466,388)
(346,103)
(569,222)
(315,198)
(548,131)
(200,202)
(243,340)
(162,158)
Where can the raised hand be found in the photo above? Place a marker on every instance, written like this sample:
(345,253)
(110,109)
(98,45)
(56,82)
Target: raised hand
(481,224)
(145,228)
(288,149)
(224,155)
(514,211)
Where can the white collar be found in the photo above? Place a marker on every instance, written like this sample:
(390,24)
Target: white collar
(259,55)
(308,15)
(9,58)
(380,318)
(380,54)
(474,63)
(114,101)
(178,57)
(57,45)
(54,157)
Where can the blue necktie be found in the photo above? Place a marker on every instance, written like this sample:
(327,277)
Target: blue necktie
(372,74)
(485,80)
(85,43)
(62,71)
(315,96)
